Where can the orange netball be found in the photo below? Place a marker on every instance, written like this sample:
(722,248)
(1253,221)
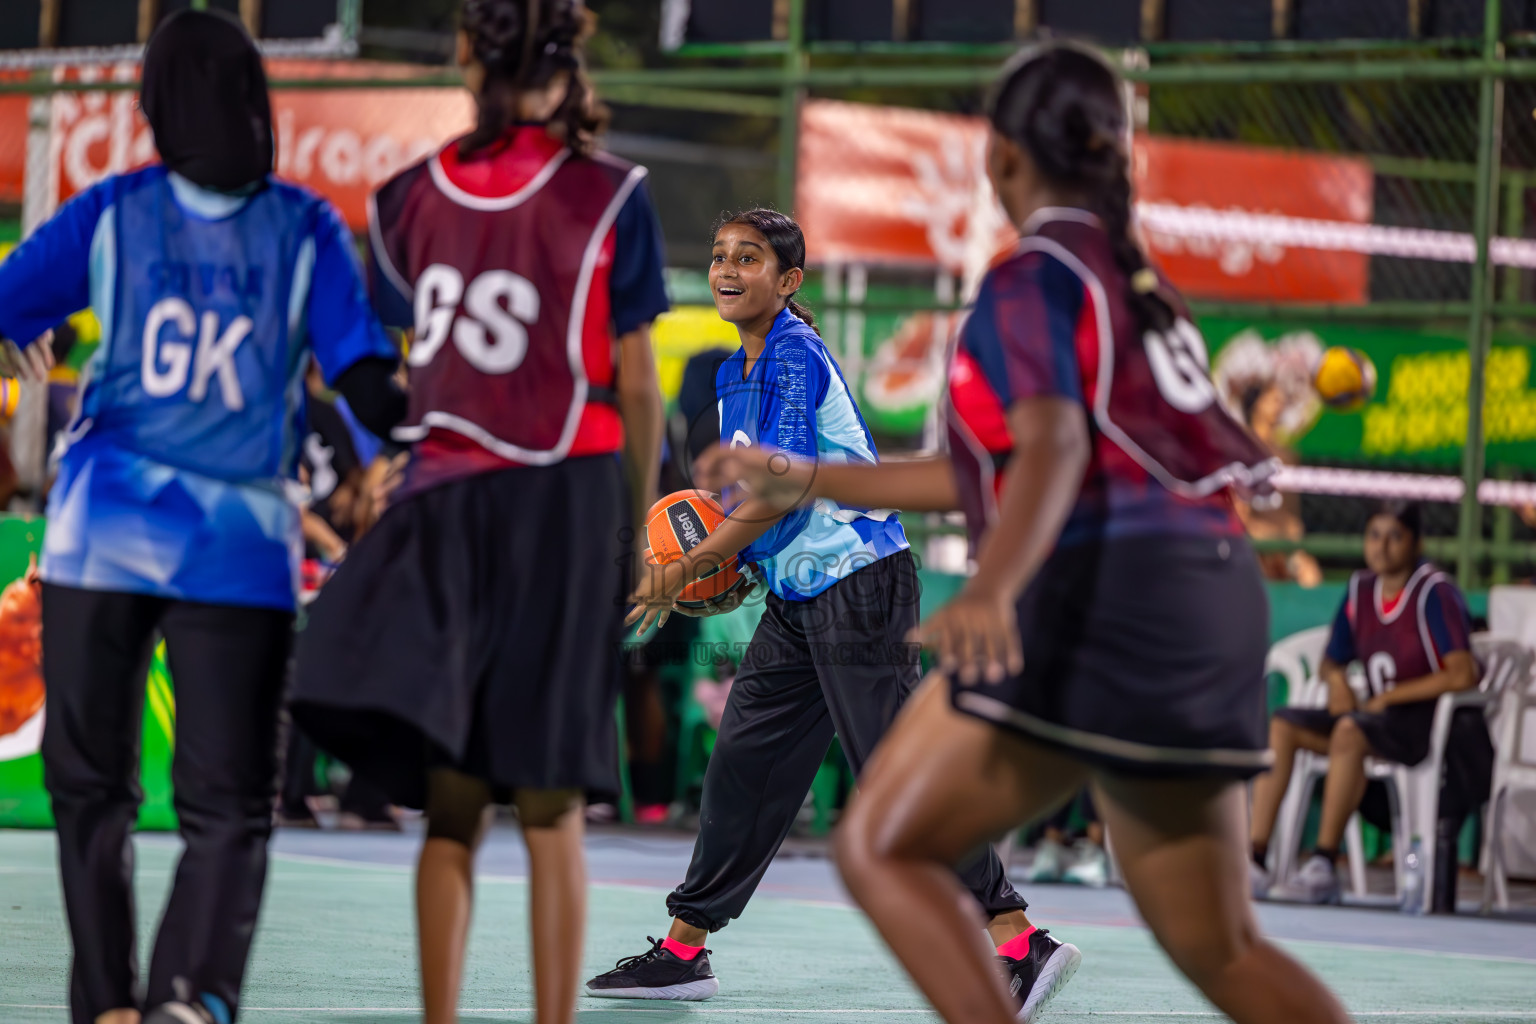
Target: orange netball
(679,523)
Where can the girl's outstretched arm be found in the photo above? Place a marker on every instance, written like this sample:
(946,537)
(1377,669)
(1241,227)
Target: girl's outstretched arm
(976,633)
(784,482)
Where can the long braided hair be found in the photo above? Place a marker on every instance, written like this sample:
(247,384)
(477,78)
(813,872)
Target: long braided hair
(523,45)
(1065,106)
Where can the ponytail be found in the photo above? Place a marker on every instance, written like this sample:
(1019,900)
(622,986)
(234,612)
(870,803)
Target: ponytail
(804,314)
(523,45)
(1147,296)
(787,242)
(1064,105)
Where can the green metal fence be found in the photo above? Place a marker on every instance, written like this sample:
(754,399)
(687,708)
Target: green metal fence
(1445,129)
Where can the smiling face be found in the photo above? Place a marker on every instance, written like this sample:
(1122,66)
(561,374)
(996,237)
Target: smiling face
(744,276)
(1390,547)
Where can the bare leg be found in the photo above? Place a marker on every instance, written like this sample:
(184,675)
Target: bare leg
(1180,847)
(1006,926)
(124,1016)
(557,883)
(1345,786)
(1269,789)
(458,809)
(687,934)
(939,785)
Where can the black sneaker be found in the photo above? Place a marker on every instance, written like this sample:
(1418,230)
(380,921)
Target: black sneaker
(1035,979)
(657,974)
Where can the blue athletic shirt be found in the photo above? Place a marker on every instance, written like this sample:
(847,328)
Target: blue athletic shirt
(796,400)
(174,477)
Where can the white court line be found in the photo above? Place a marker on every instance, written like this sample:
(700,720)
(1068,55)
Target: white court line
(338,862)
(1444,1014)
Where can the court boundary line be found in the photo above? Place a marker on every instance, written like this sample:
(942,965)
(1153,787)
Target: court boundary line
(832,904)
(1444,1014)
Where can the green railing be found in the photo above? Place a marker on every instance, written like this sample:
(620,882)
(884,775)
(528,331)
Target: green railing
(1450,158)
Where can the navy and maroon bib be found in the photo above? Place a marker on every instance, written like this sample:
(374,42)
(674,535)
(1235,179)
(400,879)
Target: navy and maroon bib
(1165,449)
(1393,639)
(513,348)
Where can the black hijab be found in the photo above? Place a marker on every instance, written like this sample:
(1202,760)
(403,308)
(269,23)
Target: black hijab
(205,94)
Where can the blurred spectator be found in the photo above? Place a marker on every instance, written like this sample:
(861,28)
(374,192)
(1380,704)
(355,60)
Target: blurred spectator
(652,690)
(695,421)
(1277,516)
(657,673)
(1071,846)
(339,510)
(721,645)
(1408,625)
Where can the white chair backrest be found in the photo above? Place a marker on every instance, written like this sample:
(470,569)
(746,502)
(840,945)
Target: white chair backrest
(1506,663)
(1508,669)
(1297,658)
(1508,666)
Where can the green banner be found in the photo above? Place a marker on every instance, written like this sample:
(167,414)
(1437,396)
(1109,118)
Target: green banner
(1418,416)
(23,800)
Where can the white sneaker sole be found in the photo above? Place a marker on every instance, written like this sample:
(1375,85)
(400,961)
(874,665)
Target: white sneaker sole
(1053,978)
(688,992)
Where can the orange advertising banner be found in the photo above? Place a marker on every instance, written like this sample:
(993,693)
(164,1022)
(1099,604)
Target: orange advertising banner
(891,185)
(342,143)
(13,141)
(1179,180)
(908,187)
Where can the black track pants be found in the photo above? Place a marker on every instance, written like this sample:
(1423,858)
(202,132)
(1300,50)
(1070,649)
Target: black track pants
(839,664)
(227,664)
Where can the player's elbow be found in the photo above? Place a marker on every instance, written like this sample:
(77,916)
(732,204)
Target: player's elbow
(1463,671)
(638,391)
(1051,430)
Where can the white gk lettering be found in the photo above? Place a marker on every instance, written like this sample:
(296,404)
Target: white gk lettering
(169,357)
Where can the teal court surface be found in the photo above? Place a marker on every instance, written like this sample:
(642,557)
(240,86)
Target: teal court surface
(336,944)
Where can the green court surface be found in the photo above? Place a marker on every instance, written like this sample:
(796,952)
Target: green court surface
(336,945)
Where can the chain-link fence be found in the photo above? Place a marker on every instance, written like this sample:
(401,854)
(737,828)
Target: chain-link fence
(1307,195)
(1304,195)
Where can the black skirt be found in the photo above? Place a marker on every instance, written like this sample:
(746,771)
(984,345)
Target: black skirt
(477,625)
(1143,655)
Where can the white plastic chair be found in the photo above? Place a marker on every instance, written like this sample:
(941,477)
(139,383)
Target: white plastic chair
(1413,793)
(1514,768)
(1298,658)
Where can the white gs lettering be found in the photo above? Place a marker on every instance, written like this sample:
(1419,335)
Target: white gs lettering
(486,316)
(492,336)
(438,292)
(168,358)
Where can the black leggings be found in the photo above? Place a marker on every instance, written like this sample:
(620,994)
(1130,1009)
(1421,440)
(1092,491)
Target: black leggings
(227,665)
(837,664)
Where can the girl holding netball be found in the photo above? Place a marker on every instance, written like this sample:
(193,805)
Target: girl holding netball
(467,652)
(1115,631)
(830,655)
(170,515)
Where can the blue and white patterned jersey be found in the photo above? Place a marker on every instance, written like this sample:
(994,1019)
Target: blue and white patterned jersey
(173,478)
(795,399)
